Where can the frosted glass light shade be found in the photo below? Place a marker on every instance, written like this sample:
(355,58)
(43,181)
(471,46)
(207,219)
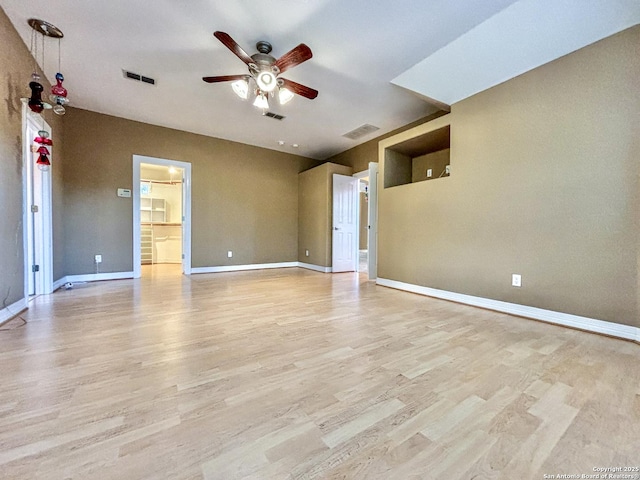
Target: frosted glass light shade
(261,102)
(285,95)
(241,88)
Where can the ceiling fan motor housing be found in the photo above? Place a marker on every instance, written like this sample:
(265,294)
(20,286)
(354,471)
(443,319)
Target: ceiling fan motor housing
(264,70)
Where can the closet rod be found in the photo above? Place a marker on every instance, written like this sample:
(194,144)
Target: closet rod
(163,182)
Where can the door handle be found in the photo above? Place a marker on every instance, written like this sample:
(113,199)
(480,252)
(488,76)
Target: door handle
(336,228)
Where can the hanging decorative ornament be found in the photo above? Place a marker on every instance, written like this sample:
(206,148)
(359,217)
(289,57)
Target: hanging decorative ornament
(36,104)
(59,95)
(35,101)
(58,92)
(43,160)
(43,138)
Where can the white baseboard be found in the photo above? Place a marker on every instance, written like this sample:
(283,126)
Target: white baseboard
(59,283)
(13,310)
(574,321)
(317,268)
(94,277)
(237,268)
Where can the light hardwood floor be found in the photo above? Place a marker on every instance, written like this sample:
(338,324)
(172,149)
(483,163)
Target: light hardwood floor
(290,373)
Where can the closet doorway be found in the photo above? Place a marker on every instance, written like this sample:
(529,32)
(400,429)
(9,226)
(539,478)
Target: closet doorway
(162,217)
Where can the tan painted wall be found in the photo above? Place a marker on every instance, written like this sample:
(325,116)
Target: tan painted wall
(436,161)
(16,65)
(315,216)
(364,221)
(545,184)
(244,198)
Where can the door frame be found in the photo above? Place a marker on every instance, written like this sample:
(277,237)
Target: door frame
(186,210)
(37,231)
(372,230)
(359,176)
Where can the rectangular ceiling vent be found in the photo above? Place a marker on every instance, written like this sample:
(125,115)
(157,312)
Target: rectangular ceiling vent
(273,115)
(361,131)
(138,77)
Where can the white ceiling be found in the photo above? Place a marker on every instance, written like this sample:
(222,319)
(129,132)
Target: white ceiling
(359,47)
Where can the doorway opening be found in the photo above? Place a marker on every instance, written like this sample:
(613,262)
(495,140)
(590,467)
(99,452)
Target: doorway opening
(363,224)
(162,217)
(38,221)
(367,220)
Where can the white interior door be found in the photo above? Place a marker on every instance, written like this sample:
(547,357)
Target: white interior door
(373,221)
(345,224)
(38,220)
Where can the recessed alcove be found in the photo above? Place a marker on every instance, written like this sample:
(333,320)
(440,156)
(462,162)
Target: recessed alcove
(421,158)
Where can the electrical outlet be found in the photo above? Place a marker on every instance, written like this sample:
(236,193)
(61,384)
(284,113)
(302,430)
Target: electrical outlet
(516,280)
(229,254)
(98,258)
(306,253)
(429,172)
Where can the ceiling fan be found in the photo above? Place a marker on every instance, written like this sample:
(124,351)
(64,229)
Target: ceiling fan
(263,78)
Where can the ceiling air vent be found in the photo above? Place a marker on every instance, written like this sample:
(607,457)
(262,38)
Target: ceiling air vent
(361,131)
(138,77)
(274,115)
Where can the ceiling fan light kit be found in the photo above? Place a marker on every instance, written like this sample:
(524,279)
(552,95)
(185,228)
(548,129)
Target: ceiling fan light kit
(264,70)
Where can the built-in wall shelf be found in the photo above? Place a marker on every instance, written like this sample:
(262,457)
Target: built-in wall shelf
(153,210)
(420,158)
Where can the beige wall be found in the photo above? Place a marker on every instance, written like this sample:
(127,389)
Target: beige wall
(364,221)
(16,65)
(244,198)
(315,216)
(436,161)
(545,184)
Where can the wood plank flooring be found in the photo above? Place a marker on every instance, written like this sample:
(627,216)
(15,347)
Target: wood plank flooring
(294,374)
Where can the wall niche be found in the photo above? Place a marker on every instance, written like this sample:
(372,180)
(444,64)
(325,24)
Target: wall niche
(421,158)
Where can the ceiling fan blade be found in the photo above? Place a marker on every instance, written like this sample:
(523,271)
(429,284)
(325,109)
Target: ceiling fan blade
(232,45)
(294,57)
(301,90)
(223,78)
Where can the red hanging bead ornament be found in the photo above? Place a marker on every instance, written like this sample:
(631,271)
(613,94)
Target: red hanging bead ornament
(43,160)
(43,138)
(43,152)
(59,95)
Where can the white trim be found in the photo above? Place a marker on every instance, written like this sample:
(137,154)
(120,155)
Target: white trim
(96,277)
(236,268)
(372,231)
(59,283)
(12,310)
(186,212)
(317,268)
(362,174)
(574,321)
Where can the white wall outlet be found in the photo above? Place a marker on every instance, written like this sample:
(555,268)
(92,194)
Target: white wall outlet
(429,172)
(98,258)
(229,254)
(306,253)
(516,280)
(447,170)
